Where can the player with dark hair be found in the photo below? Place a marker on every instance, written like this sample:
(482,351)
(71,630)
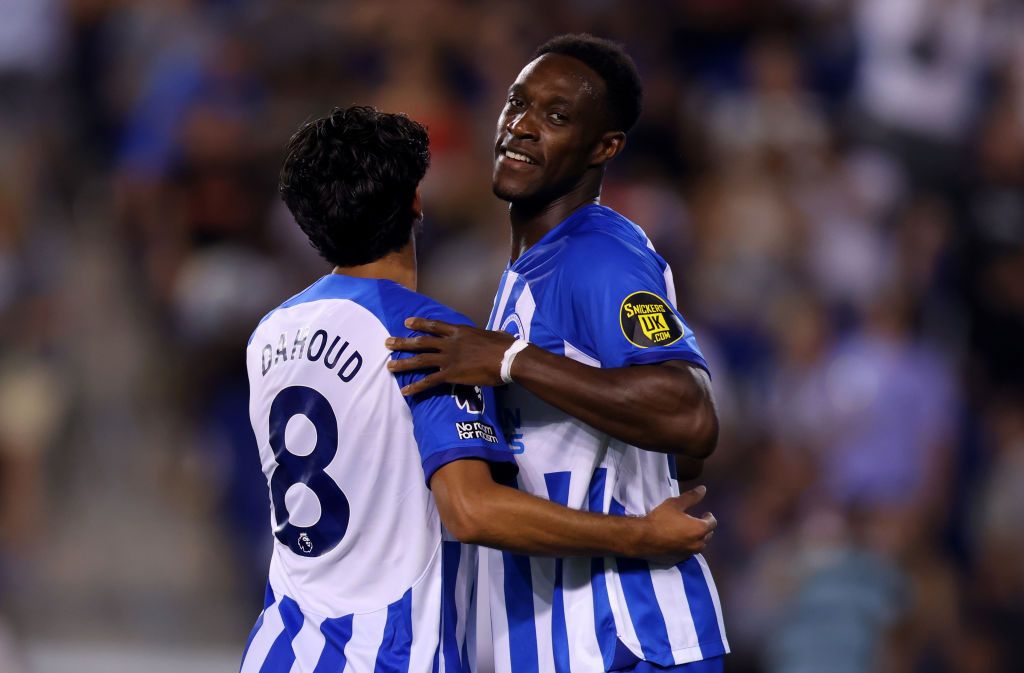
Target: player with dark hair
(351,196)
(368,571)
(623,89)
(603,378)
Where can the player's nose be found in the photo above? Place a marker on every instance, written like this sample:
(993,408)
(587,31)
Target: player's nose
(522,126)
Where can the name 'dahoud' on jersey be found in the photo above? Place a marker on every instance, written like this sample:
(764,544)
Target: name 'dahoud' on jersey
(593,289)
(362,577)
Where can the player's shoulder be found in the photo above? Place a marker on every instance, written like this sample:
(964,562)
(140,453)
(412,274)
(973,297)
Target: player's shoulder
(606,241)
(388,301)
(323,288)
(398,303)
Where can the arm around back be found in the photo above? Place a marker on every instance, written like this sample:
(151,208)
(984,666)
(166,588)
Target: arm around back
(477,510)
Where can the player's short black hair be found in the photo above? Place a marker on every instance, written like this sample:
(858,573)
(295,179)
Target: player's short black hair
(609,60)
(349,180)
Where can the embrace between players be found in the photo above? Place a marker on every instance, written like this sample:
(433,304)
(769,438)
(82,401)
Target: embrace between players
(396,437)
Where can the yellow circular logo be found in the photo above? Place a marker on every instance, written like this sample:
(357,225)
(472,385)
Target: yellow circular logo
(648,320)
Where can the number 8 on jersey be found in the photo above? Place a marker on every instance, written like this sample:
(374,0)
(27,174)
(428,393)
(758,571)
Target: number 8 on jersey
(300,470)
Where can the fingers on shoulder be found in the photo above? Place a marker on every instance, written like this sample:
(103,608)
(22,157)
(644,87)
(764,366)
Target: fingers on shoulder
(426,383)
(434,326)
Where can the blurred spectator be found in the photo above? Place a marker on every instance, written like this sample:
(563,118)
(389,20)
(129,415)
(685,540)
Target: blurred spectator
(890,412)
(922,61)
(862,594)
(998,544)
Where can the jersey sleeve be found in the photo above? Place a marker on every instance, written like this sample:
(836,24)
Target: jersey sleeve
(454,422)
(621,307)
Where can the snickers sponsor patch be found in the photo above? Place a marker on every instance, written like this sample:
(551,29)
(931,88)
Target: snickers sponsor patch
(648,320)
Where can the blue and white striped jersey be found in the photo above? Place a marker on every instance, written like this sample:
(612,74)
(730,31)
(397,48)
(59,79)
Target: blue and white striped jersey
(593,289)
(362,576)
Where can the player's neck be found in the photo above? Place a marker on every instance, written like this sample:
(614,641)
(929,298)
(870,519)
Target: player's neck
(399,267)
(531,221)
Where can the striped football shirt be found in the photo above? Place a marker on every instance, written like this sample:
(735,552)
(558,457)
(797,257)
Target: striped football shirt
(593,289)
(363,578)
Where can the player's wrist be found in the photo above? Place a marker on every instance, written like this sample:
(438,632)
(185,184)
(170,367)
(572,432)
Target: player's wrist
(509,358)
(636,539)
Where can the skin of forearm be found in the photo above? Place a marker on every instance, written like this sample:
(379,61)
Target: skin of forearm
(666,407)
(477,510)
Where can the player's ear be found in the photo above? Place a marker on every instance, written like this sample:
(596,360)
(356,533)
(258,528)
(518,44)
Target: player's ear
(417,205)
(607,147)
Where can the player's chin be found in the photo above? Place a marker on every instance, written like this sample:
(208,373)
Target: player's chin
(507,190)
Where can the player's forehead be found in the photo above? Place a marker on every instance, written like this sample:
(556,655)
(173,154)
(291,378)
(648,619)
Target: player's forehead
(559,76)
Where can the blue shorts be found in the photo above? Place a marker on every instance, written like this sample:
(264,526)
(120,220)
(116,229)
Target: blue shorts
(712,665)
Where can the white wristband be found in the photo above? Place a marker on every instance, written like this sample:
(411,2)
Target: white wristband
(510,355)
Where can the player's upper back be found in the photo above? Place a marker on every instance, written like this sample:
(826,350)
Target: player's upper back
(354,524)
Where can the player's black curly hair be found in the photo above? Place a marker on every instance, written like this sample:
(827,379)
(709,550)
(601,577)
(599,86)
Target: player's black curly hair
(349,180)
(609,60)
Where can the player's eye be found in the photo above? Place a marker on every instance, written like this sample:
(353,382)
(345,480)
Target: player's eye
(515,101)
(558,118)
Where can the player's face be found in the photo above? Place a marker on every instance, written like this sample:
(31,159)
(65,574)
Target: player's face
(554,115)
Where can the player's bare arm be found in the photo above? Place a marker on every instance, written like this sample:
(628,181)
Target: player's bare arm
(666,407)
(477,510)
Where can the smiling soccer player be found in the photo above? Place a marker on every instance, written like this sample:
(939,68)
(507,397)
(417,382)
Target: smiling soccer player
(604,378)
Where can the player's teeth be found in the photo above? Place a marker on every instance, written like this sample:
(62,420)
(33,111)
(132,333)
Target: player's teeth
(518,157)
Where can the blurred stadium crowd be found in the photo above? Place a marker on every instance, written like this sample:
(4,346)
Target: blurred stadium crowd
(838,184)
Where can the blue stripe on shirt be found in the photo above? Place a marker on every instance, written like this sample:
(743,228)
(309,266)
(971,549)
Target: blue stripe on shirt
(642,603)
(470,624)
(268,597)
(252,634)
(558,491)
(393,655)
(451,554)
(268,600)
(604,620)
(281,655)
(522,632)
(510,305)
(337,632)
(702,608)
(494,309)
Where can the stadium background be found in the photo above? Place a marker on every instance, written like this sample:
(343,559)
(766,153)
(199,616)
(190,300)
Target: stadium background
(839,185)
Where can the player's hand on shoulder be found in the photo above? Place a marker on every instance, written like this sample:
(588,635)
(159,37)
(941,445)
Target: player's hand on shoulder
(671,534)
(460,353)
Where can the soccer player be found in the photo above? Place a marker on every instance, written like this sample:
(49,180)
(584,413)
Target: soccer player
(363,577)
(604,378)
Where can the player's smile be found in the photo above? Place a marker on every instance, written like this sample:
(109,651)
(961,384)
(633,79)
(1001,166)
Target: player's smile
(546,130)
(516,155)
